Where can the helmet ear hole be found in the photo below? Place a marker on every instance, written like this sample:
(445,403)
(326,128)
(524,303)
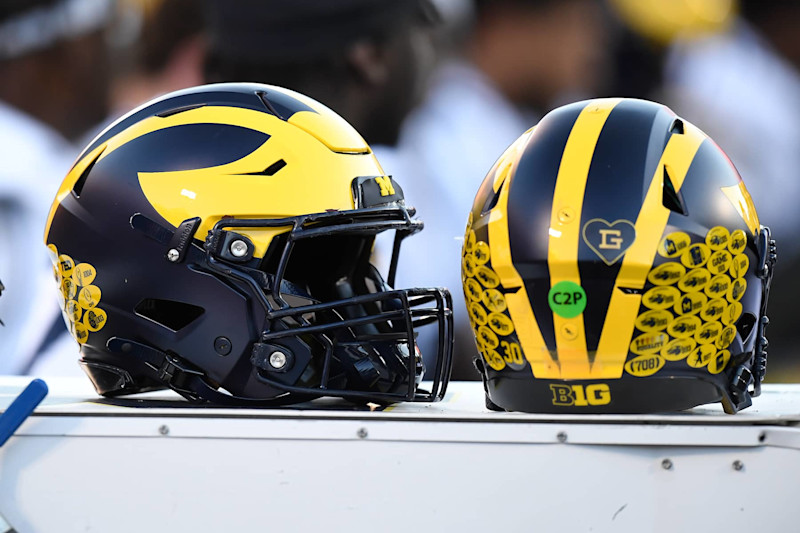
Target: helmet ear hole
(746,326)
(168,313)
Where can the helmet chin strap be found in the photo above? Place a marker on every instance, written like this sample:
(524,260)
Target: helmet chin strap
(740,395)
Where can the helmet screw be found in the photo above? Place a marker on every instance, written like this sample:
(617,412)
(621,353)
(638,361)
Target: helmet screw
(173,255)
(738,465)
(222,345)
(239,248)
(666,464)
(569,331)
(566,215)
(277,360)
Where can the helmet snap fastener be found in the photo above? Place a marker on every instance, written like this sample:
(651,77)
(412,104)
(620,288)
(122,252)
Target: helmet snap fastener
(173,255)
(278,360)
(238,248)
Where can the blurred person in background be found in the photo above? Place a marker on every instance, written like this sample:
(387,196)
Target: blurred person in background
(511,61)
(742,86)
(368,60)
(365,59)
(52,88)
(161,48)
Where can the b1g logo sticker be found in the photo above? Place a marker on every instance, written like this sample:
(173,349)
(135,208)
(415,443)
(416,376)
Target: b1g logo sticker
(580,395)
(609,240)
(567,299)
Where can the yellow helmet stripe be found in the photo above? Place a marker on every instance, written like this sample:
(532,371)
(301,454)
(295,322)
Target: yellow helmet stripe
(519,306)
(562,255)
(612,351)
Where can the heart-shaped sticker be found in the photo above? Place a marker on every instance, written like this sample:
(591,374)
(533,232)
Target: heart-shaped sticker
(609,240)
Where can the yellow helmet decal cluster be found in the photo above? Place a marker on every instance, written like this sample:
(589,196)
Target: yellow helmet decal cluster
(691,316)
(488,269)
(79,296)
(306,145)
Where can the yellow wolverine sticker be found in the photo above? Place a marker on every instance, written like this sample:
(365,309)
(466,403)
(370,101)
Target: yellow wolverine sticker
(473,290)
(674,244)
(708,333)
(678,349)
(718,286)
(478,314)
(487,338)
(469,265)
(713,310)
(481,253)
(653,320)
(661,297)
(501,324)
(469,243)
(717,238)
(487,277)
(494,360)
(738,242)
(694,280)
(684,326)
(494,300)
(666,274)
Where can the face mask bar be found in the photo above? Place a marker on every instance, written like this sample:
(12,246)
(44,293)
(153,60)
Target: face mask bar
(743,377)
(402,310)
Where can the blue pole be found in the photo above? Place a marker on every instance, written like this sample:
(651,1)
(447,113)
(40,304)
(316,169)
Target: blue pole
(21,408)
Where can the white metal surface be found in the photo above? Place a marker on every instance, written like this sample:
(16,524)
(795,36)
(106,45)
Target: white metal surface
(80,465)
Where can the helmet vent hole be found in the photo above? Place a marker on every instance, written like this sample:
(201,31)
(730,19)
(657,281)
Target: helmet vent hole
(273,168)
(746,326)
(491,202)
(81,181)
(168,313)
(631,290)
(677,127)
(672,198)
(176,110)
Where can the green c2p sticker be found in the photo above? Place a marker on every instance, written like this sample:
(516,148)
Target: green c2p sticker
(567,299)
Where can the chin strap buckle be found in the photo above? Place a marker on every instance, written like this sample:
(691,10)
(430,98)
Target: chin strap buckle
(170,370)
